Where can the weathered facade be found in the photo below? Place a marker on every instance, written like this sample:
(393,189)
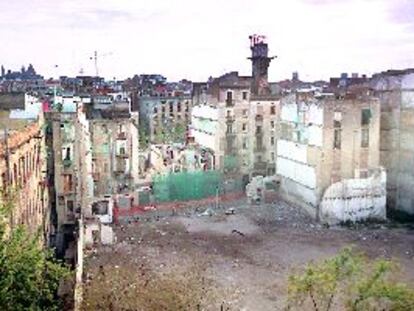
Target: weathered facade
(164,118)
(235,118)
(23,178)
(395,90)
(114,140)
(327,140)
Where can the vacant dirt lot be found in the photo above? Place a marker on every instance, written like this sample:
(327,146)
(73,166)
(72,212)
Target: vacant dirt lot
(248,254)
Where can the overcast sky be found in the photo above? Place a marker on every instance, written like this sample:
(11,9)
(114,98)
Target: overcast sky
(196,39)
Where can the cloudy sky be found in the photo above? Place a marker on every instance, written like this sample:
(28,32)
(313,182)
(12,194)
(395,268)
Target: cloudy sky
(195,39)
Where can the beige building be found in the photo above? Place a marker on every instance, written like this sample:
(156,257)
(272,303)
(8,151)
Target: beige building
(235,118)
(114,143)
(165,118)
(328,155)
(23,177)
(395,90)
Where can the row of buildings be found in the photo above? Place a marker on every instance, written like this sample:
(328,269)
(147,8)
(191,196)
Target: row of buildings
(341,149)
(330,145)
(63,159)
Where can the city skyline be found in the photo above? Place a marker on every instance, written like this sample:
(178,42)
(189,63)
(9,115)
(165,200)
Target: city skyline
(195,40)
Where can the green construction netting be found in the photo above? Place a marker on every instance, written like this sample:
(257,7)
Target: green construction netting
(186,186)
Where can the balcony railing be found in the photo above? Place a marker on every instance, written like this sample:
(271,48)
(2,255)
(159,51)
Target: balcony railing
(259,118)
(230,102)
(122,135)
(67,163)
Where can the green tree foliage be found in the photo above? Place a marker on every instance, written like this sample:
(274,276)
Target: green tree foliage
(173,134)
(349,281)
(29,275)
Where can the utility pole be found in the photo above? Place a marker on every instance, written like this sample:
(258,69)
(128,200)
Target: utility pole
(95,58)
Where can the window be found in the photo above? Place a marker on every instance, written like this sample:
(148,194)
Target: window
(272,156)
(245,112)
(272,110)
(365,138)
(67,154)
(229,129)
(122,150)
(171,107)
(337,129)
(259,143)
(244,127)
(337,119)
(229,95)
(229,98)
(337,138)
(365,116)
(244,94)
(69,205)
(179,107)
(67,182)
(258,129)
(272,124)
(272,141)
(245,143)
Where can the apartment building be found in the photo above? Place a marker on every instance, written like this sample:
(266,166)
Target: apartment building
(24,180)
(395,90)
(165,118)
(114,145)
(23,165)
(328,155)
(235,117)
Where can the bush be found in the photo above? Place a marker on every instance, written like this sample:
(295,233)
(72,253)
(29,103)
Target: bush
(349,281)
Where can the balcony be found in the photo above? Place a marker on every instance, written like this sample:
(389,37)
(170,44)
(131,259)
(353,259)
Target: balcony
(122,136)
(122,155)
(230,102)
(95,176)
(230,118)
(260,166)
(259,148)
(67,163)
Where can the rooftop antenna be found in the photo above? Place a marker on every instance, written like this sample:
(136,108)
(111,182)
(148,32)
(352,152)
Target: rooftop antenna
(95,59)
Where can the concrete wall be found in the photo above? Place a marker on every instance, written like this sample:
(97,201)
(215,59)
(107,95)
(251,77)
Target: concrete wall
(355,199)
(308,160)
(396,94)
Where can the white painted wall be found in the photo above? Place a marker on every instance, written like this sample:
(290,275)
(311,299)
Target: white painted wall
(204,126)
(289,112)
(298,172)
(355,199)
(291,150)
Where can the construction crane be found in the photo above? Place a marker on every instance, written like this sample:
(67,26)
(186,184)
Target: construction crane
(95,59)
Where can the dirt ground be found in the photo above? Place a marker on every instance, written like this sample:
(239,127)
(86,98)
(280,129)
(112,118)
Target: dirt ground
(249,253)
